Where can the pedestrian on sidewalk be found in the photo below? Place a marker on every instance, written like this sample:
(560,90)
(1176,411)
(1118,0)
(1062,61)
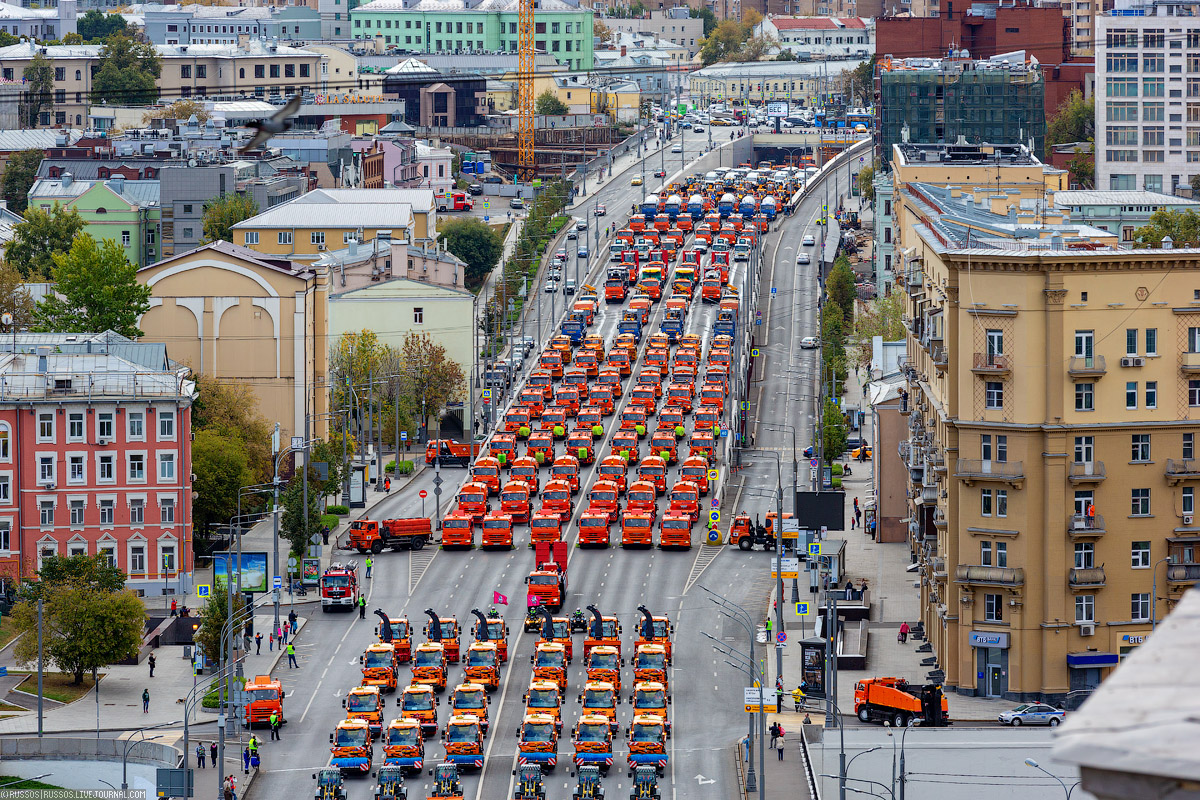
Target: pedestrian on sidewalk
(274,726)
(258,644)
(200,756)
(227,792)
(283,634)
(212,752)
(779,745)
(904,630)
(271,642)
(858,516)
(798,697)
(387,485)
(291,654)
(774,729)
(174,607)
(145,701)
(292,621)
(370,564)
(151,661)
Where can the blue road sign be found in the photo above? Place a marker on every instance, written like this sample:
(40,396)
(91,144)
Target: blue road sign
(802,609)
(774,290)
(812,462)
(715,516)
(781,637)
(724,432)
(404,436)
(754,352)
(487,394)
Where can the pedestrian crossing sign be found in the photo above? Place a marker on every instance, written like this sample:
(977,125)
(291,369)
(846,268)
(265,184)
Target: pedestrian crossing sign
(803,609)
(814,548)
(203,589)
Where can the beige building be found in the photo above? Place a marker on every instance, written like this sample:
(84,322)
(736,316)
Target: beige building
(253,66)
(243,317)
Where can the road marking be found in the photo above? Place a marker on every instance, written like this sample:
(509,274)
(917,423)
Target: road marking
(707,555)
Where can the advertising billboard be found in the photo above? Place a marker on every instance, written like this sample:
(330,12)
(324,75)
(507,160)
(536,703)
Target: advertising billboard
(777,109)
(253,575)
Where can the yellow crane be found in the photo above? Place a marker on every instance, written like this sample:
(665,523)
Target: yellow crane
(525,101)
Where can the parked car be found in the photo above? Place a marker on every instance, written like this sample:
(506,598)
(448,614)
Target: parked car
(1033,714)
(517,202)
(475,188)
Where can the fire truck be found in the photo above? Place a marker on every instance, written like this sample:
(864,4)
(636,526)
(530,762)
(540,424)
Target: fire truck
(339,587)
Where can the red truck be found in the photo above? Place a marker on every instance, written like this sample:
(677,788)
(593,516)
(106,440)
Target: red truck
(548,582)
(339,587)
(455,201)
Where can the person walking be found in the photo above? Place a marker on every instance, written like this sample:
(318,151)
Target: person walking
(258,644)
(774,729)
(151,661)
(271,643)
(779,743)
(246,760)
(174,608)
(274,726)
(387,485)
(145,701)
(212,753)
(779,695)
(798,697)
(253,748)
(904,631)
(200,756)
(370,564)
(291,654)
(292,620)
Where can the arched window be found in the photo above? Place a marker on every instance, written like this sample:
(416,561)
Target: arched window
(5,442)
(242,73)
(78,75)
(101,210)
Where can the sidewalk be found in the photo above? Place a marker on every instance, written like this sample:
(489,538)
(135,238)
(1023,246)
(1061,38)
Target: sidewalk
(895,598)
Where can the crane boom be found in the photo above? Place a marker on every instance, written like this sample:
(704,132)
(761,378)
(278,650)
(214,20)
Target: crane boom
(525,103)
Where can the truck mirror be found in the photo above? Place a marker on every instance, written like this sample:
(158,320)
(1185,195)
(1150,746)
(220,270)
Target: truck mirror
(282,695)
(330,741)
(360,659)
(343,704)
(314,776)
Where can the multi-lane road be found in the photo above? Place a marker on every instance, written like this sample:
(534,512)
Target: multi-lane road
(707,694)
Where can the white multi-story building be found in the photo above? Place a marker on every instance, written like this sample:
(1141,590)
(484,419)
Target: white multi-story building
(819,38)
(1147,96)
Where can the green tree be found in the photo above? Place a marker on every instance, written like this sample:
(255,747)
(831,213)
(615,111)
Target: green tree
(39,236)
(95,289)
(38,91)
(180,109)
(1083,169)
(1182,226)
(231,410)
(18,178)
(1073,121)
(880,317)
(128,74)
(866,183)
(14,296)
(329,451)
(840,287)
(291,522)
(833,431)
(222,213)
(428,375)
(356,359)
(1195,184)
(710,19)
(547,103)
(725,42)
(78,572)
(213,617)
(222,467)
(477,244)
(833,339)
(72,38)
(96,26)
(7,39)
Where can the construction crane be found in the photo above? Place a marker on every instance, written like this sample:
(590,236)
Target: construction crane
(525,103)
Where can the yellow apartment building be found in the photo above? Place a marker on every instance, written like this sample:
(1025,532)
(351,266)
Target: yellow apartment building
(1053,406)
(329,219)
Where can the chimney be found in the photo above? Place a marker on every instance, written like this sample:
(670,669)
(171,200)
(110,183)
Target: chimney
(67,178)
(117,183)
(622,51)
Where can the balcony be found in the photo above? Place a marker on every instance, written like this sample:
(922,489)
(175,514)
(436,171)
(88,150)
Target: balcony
(914,279)
(990,364)
(1182,469)
(1087,472)
(935,459)
(1086,367)
(1078,527)
(904,448)
(938,565)
(941,358)
(939,518)
(1089,578)
(1183,574)
(970,470)
(1189,363)
(989,576)
(905,405)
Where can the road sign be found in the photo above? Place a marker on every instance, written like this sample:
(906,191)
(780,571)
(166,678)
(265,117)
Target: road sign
(724,432)
(487,394)
(712,474)
(803,609)
(754,352)
(715,516)
(774,290)
(781,637)
(812,462)
(744,405)
(297,442)
(422,494)
(276,582)
(754,698)
(203,590)
(791,568)
(486,205)
(814,548)
(437,481)
(404,436)
(292,563)
(314,539)
(714,503)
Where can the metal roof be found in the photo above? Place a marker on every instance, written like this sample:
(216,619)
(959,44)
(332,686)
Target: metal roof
(139,193)
(771,69)
(456,6)
(1088,197)
(411,66)
(8,11)
(421,200)
(318,209)
(150,355)
(39,139)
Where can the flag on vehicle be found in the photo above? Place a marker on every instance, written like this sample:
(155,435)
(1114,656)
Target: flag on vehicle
(499,599)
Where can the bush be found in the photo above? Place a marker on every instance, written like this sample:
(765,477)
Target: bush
(340,511)
(406,468)
(837,469)
(212,696)
(837,483)
(329,521)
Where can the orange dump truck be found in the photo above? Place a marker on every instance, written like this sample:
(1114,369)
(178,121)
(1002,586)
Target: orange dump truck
(556,499)
(458,530)
(897,701)
(637,529)
(604,498)
(593,528)
(545,527)
(675,530)
(369,535)
(486,471)
(473,501)
(524,470)
(498,531)
(265,695)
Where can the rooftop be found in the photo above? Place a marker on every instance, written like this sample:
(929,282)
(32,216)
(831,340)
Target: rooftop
(1016,61)
(139,193)
(150,355)
(1090,197)
(39,139)
(346,208)
(421,200)
(766,69)
(819,23)
(56,376)
(257,48)
(961,154)
(471,6)
(8,11)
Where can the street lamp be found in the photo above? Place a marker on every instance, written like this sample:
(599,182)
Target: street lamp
(1154,594)
(845,788)
(131,744)
(777,529)
(1029,762)
(888,724)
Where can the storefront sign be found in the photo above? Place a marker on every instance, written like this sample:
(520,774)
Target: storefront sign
(1133,639)
(989,639)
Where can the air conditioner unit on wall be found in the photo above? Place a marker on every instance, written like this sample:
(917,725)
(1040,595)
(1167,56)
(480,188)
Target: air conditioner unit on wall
(1187,519)
(1133,361)
(1087,629)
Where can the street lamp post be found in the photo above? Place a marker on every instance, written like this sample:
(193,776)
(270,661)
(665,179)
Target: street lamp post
(777,529)
(303,445)
(1029,762)
(134,743)
(1154,592)
(888,724)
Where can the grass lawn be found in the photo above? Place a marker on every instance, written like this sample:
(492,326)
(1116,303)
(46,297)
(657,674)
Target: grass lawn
(55,685)
(19,785)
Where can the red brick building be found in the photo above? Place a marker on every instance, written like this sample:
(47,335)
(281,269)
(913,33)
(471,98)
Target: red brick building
(95,457)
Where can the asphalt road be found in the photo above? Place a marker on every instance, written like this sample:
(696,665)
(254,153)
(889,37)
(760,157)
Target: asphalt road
(707,721)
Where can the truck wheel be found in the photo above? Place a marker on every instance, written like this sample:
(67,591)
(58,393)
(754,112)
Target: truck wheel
(376,547)
(864,715)
(418,542)
(899,720)
(745,544)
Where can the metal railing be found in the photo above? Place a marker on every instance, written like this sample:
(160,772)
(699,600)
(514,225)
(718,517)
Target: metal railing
(990,362)
(56,385)
(984,469)
(1082,525)
(1183,573)
(1086,576)
(991,576)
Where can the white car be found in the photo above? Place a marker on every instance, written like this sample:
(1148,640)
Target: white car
(809,343)
(676,148)
(809,240)
(551,286)
(803,258)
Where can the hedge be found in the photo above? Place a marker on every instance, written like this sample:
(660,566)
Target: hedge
(340,511)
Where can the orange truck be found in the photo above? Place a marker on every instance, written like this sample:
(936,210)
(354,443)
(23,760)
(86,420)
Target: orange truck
(470,697)
(646,740)
(566,468)
(556,499)
(651,699)
(429,665)
(444,631)
(483,664)
(514,501)
(662,444)
(675,530)
(379,666)
(463,739)
(600,698)
(498,530)
(544,527)
(404,746)
(695,470)
(525,470)
(548,581)
(544,697)
(540,447)
(549,661)
(365,703)
(624,445)
(537,741)
(517,420)
(503,448)
(603,663)
(491,629)
(458,530)
(685,500)
(603,498)
(554,420)
(602,631)
(397,632)
(473,501)
(352,751)
(581,444)
(418,702)
(265,697)
(369,535)
(653,469)
(447,452)
(653,629)
(593,529)
(650,663)
(486,471)
(592,738)
(642,499)
(614,469)
(897,701)
(637,528)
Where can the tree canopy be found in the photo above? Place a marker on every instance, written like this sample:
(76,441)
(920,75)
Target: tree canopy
(1182,226)
(39,236)
(222,213)
(866,182)
(840,285)
(213,617)
(547,103)
(17,180)
(38,92)
(128,74)
(230,411)
(14,296)
(222,466)
(705,13)
(180,109)
(429,375)
(834,433)
(98,26)
(476,243)
(1073,121)
(880,317)
(95,289)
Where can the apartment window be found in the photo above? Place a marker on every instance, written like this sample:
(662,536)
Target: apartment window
(137,467)
(1194,393)
(1189,445)
(46,426)
(260,70)
(317,238)
(993,608)
(1131,394)
(1084,449)
(1151,341)
(5,491)
(166,466)
(251,237)
(1001,511)
(1188,504)
(1139,555)
(1139,606)
(275,74)
(46,470)
(1085,397)
(1139,502)
(289,70)
(1123,87)
(108,554)
(167,557)
(166,508)
(1131,341)
(106,469)
(137,512)
(75,427)
(77,508)
(1085,555)
(994,397)
(104,426)
(418,316)
(1154,87)
(304,69)
(1121,112)
(1085,344)
(985,553)
(135,425)
(284,237)
(5,529)
(985,502)
(1153,112)
(1140,447)
(137,559)
(166,425)
(188,235)
(46,513)
(1085,608)
(75,470)
(185,71)
(125,239)
(1151,394)
(1153,63)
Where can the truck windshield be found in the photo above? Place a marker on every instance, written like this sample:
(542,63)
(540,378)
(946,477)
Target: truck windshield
(543,698)
(399,630)
(612,470)
(481,658)
(556,495)
(496,524)
(362,702)
(542,580)
(403,737)
(604,660)
(604,497)
(377,659)
(428,658)
(456,523)
(470,497)
(645,733)
(262,694)
(469,700)
(354,737)
(641,497)
(490,472)
(550,658)
(462,734)
(336,581)
(417,701)
(592,732)
(561,629)
(598,698)
(329,777)
(676,524)
(537,732)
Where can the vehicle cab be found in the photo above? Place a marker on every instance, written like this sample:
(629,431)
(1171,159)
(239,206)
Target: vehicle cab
(649,663)
(637,529)
(633,418)
(593,528)
(534,399)
(651,699)
(463,739)
(603,663)
(703,445)
(675,530)
(365,703)
(517,420)
(378,666)
(566,468)
(662,445)
(401,633)
(568,398)
(590,419)
(265,697)
(653,469)
(418,702)
(554,420)
(544,697)
(537,743)
(404,745)
(670,419)
(581,444)
(497,634)
(603,498)
(503,447)
(514,501)
(609,635)
(644,397)
(352,751)
(685,500)
(429,665)
(603,398)
(660,633)
(600,698)
(642,498)
(624,445)
(646,740)
(679,395)
(449,637)
(524,470)
(545,527)
(550,663)
(592,738)
(540,447)
(560,632)
(556,500)
(470,697)
(473,502)
(613,468)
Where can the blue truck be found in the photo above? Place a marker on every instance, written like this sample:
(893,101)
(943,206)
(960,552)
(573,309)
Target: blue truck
(630,323)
